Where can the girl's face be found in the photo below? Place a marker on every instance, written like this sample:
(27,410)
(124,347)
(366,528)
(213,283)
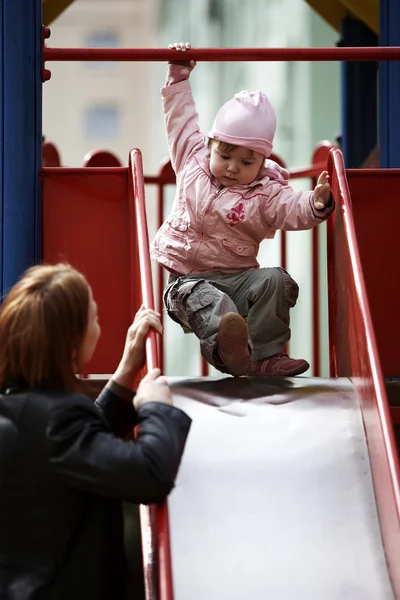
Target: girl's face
(236,167)
(89,342)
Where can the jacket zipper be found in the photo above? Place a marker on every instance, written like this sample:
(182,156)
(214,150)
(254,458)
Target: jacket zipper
(206,209)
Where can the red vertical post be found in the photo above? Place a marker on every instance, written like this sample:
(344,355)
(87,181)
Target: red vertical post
(165,176)
(320,159)
(165,586)
(283,247)
(204,368)
(160,274)
(283,265)
(283,250)
(315,303)
(332,309)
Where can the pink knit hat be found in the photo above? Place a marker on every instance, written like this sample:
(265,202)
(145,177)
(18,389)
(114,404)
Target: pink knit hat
(247,120)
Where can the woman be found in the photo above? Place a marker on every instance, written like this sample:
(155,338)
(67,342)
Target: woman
(64,465)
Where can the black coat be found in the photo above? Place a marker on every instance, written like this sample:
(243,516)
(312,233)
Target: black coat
(63,474)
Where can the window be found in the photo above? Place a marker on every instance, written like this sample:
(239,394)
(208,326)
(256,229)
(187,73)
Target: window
(102,121)
(101,39)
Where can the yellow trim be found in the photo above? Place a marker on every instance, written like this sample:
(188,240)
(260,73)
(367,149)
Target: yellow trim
(333,11)
(52,9)
(365,10)
(330,10)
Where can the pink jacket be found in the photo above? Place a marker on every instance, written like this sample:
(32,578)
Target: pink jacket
(211,227)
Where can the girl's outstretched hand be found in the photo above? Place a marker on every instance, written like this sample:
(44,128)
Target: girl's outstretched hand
(181,47)
(152,388)
(134,354)
(322,191)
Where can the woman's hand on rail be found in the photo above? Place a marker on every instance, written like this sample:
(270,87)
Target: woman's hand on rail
(152,388)
(322,191)
(134,354)
(181,47)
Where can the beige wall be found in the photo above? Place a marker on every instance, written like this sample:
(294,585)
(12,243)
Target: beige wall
(76,89)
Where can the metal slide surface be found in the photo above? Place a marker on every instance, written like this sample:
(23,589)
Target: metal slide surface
(274,498)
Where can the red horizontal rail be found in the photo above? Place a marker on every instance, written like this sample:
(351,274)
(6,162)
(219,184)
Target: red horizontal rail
(84,171)
(311,171)
(159,180)
(223,54)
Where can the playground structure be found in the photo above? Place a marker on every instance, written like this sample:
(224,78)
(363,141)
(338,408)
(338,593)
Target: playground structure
(69,196)
(362,332)
(118,193)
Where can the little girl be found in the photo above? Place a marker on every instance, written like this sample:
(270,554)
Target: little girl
(229,198)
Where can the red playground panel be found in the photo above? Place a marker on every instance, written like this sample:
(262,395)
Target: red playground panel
(375,196)
(88,221)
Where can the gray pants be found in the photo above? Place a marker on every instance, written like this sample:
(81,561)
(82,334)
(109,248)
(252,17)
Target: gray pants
(262,296)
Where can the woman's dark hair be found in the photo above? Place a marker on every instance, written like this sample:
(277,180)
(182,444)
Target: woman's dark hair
(43,320)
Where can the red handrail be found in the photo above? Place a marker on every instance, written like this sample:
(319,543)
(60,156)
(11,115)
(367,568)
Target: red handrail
(154,520)
(136,173)
(364,369)
(312,171)
(224,54)
(78,170)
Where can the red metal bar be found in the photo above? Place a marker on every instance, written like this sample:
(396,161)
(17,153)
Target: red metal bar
(332,309)
(138,220)
(320,163)
(165,587)
(162,179)
(283,250)
(154,519)
(158,180)
(313,171)
(315,302)
(357,357)
(165,176)
(160,269)
(136,171)
(79,171)
(205,369)
(224,54)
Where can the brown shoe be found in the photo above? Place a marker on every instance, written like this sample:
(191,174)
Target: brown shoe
(232,342)
(278,365)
